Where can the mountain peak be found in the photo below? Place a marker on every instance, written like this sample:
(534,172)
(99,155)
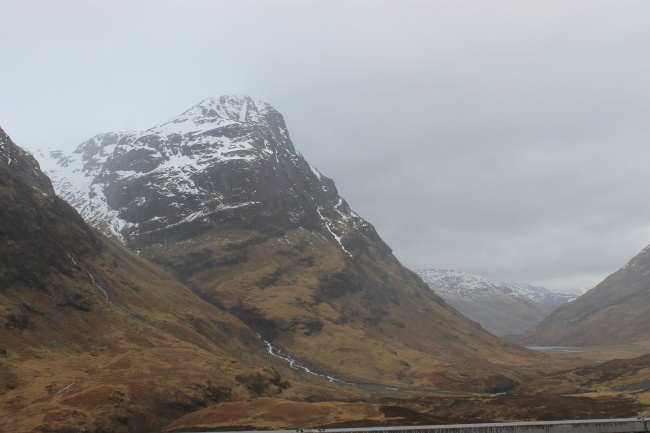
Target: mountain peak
(237,108)
(23,163)
(228,111)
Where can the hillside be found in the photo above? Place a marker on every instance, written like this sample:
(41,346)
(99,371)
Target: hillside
(616,311)
(94,338)
(220,197)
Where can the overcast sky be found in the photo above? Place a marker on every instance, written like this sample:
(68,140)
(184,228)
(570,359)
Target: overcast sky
(509,139)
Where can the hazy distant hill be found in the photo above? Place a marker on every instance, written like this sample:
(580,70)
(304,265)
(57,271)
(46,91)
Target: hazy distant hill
(501,308)
(616,311)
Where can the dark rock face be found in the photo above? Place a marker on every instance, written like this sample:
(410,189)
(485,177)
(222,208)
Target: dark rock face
(21,164)
(38,230)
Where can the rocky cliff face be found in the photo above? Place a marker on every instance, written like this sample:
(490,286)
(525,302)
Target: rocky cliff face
(220,197)
(613,312)
(39,231)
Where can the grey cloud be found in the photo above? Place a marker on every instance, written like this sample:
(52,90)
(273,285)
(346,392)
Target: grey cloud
(502,138)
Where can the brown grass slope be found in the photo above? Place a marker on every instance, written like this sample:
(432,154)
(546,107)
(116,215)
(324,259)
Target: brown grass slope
(93,338)
(360,316)
(614,389)
(624,381)
(616,311)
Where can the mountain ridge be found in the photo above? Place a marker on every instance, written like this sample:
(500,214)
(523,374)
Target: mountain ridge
(467,285)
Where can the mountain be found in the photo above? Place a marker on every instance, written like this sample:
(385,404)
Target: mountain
(220,197)
(92,337)
(504,309)
(544,296)
(614,312)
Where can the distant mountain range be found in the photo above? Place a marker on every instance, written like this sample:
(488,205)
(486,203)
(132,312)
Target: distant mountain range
(505,309)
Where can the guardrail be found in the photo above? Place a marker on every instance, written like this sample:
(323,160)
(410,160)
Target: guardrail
(624,425)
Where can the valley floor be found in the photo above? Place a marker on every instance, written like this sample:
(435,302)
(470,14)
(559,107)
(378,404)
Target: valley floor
(603,353)
(580,383)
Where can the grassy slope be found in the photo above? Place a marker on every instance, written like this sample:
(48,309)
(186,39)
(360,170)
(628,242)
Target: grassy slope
(366,319)
(150,353)
(612,313)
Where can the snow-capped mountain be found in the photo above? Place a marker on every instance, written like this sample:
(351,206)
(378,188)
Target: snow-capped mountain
(502,308)
(463,286)
(200,163)
(220,197)
(544,296)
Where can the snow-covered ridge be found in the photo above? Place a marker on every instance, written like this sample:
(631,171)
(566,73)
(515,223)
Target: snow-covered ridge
(214,113)
(173,152)
(223,155)
(545,296)
(462,286)
(79,186)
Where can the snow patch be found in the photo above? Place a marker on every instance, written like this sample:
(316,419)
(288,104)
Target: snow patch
(316,172)
(337,237)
